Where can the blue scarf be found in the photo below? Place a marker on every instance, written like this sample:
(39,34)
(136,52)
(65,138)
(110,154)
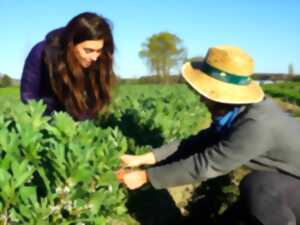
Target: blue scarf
(222,123)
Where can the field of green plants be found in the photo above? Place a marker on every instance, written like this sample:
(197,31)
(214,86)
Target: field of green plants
(10,95)
(287,91)
(54,170)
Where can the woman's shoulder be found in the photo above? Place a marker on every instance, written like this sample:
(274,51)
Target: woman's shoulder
(50,44)
(37,50)
(52,48)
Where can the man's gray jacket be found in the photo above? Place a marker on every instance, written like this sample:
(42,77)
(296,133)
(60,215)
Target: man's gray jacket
(261,137)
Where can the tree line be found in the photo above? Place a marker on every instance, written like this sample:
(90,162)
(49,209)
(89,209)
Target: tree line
(6,80)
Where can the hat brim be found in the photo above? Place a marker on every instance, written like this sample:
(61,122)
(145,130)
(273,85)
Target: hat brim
(220,91)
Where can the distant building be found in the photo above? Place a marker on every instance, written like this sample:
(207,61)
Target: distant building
(265,81)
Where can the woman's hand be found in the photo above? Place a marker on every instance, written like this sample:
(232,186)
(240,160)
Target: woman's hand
(137,160)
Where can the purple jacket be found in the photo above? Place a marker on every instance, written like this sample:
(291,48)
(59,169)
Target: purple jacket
(35,83)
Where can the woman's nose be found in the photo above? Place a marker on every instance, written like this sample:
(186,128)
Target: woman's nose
(95,56)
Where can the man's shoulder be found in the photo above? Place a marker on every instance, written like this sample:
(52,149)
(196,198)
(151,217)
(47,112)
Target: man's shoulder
(263,110)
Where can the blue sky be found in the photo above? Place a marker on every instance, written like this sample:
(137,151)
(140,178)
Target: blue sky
(267,29)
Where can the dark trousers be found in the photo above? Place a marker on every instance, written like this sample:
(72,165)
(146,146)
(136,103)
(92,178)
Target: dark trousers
(272,198)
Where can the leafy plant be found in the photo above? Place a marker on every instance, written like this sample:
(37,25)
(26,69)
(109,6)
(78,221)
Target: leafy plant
(58,171)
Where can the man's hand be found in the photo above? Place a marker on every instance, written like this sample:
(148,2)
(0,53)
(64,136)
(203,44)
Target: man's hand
(131,161)
(134,179)
(137,160)
(120,174)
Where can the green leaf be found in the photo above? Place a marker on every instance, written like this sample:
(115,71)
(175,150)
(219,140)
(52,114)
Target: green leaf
(25,211)
(82,174)
(96,200)
(4,177)
(120,210)
(107,178)
(65,124)
(28,193)
(100,221)
(22,172)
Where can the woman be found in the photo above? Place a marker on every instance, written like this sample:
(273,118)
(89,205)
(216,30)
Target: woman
(72,69)
(248,129)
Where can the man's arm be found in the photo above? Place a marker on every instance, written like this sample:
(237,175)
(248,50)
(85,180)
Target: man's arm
(246,142)
(181,149)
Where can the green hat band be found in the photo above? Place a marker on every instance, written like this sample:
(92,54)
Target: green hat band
(224,76)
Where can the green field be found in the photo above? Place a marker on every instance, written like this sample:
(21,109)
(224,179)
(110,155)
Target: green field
(288,95)
(58,171)
(10,94)
(287,91)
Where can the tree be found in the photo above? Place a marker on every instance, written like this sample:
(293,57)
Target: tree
(6,81)
(291,70)
(162,52)
(195,59)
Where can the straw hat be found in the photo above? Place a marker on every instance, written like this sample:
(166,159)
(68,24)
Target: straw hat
(224,76)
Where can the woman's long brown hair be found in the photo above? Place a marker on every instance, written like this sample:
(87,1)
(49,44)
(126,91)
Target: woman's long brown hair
(84,92)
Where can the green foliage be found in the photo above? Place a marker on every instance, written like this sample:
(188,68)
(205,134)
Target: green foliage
(173,79)
(156,114)
(9,94)
(287,91)
(162,52)
(55,170)
(6,81)
(296,78)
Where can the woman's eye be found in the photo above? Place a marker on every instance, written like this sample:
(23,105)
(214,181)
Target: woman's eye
(86,50)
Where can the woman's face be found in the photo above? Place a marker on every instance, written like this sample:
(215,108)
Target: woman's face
(88,52)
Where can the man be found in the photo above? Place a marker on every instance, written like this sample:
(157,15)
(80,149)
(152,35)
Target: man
(247,129)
